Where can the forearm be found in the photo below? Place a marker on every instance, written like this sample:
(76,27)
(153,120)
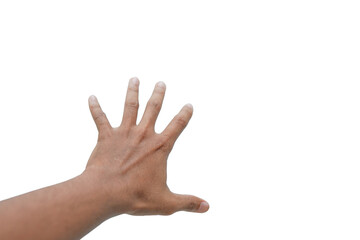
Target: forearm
(68,210)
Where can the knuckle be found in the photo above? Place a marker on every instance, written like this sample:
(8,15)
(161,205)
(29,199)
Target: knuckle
(155,104)
(99,116)
(167,146)
(132,104)
(165,143)
(162,139)
(140,133)
(192,206)
(181,121)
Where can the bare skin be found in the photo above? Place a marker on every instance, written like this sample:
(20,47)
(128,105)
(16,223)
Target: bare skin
(125,174)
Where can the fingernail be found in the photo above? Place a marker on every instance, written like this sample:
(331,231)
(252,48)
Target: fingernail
(92,100)
(204,206)
(189,105)
(134,81)
(161,85)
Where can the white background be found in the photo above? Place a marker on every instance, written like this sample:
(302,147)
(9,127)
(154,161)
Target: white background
(274,141)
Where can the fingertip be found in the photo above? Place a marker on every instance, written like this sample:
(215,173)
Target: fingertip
(189,106)
(134,81)
(204,207)
(92,100)
(188,109)
(161,85)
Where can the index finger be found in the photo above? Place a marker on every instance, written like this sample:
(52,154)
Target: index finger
(178,123)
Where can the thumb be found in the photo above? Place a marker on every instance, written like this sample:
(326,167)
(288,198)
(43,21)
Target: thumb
(190,203)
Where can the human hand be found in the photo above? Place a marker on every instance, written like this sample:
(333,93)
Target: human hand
(129,162)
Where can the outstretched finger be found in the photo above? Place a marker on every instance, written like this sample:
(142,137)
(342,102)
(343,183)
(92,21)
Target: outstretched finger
(178,123)
(154,105)
(190,203)
(100,119)
(131,103)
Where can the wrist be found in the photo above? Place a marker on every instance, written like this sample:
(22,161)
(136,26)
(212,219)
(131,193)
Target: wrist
(93,193)
(107,191)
